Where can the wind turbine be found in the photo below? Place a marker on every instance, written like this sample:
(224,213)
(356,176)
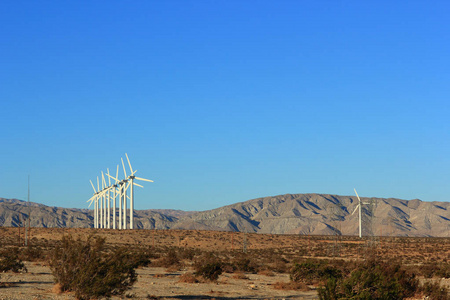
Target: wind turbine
(124,195)
(94,199)
(116,180)
(119,189)
(359,207)
(108,200)
(132,178)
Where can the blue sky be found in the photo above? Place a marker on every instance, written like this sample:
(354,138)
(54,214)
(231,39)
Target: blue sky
(224,101)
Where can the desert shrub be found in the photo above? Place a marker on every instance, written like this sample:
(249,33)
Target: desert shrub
(32,253)
(434,291)
(171,259)
(239,275)
(188,254)
(280,265)
(209,270)
(188,278)
(228,268)
(431,269)
(10,261)
(140,257)
(87,269)
(374,279)
(245,265)
(329,291)
(312,270)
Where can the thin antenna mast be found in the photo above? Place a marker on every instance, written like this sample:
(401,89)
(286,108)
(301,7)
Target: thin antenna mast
(29,211)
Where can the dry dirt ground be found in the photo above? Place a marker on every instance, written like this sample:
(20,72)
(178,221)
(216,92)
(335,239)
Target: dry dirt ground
(155,282)
(158,282)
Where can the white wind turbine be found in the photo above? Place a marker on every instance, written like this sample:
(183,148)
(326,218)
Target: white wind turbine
(108,200)
(94,199)
(119,187)
(124,195)
(100,208)
(116,181)
(104,190)
(122,184)
(359,207)
(132,178)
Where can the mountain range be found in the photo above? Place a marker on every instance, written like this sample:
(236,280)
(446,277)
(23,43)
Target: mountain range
(316,214)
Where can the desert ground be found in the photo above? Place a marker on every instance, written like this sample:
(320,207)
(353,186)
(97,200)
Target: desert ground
(272,255)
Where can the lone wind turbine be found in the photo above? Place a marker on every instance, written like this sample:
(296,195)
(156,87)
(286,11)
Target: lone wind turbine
(359,207)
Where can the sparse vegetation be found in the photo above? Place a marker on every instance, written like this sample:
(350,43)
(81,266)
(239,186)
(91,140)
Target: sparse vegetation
(210,268)
(345,275)
(87,269)
(373,279)
(10,261)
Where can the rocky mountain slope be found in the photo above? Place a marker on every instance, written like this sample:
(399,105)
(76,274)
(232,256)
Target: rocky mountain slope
(283,214)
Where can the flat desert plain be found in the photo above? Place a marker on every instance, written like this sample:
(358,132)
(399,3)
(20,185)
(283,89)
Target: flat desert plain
(271,255)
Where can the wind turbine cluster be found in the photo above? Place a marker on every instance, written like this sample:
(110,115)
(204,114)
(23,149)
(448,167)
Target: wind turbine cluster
(105,199)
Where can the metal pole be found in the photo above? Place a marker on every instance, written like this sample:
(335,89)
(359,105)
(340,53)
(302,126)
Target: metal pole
(131,205)
(114,208)
(125,207)
(360,223)
(120,205)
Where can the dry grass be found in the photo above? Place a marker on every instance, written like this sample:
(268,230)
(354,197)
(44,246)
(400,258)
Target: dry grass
(188,278)
(291,285)
(57,289)
(266,273)
(239,275)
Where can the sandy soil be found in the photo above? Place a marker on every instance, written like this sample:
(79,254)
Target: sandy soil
(38,283)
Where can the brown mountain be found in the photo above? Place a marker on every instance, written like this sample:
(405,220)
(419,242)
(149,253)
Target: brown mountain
(284,214)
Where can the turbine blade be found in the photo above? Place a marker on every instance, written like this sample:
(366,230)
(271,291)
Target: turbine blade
(93,186)
(98,185)
(357,195)
(137,184)
(117,172)
(112,177)
(103,181)
(124,172)
(356,208)
(92,200)
(109,178)
(143,179)
(131,169)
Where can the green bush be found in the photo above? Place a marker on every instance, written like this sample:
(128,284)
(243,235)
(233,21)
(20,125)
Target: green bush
(87,269)
(374,279)
(314,270)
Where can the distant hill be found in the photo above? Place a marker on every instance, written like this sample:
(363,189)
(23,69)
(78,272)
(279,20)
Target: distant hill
(284,214)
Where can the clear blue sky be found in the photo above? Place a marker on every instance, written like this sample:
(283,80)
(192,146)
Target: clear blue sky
(224,101)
